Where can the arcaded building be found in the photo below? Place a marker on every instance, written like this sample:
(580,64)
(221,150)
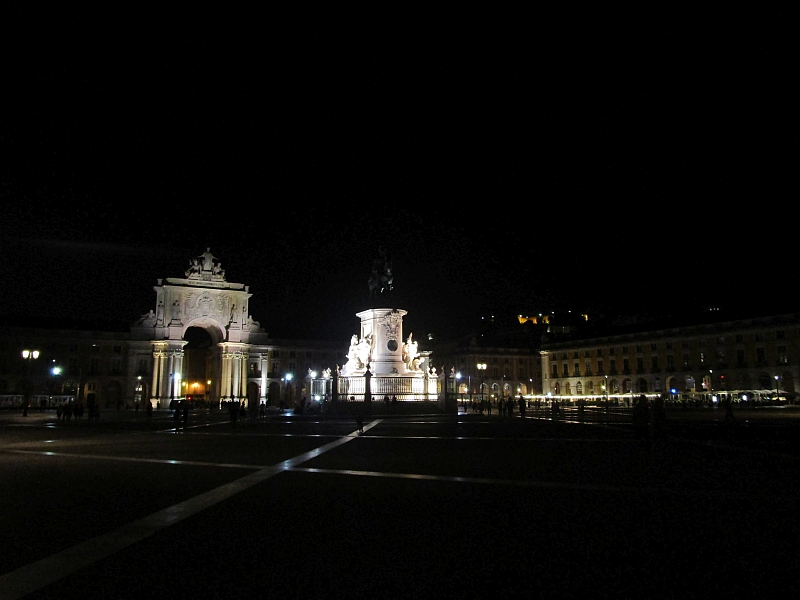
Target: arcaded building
(739,358)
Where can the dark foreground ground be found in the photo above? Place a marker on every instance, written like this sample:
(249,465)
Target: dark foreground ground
(415,507)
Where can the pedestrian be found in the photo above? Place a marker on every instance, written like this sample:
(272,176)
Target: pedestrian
(522,406)
(360,423)
(641,420)
(149,411)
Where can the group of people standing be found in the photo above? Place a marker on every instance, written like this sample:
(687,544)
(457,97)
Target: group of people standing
(66,410)
(505,406)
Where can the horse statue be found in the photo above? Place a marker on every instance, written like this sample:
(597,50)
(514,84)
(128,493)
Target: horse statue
(381,279)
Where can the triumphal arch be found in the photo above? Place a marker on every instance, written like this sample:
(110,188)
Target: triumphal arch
(203,299)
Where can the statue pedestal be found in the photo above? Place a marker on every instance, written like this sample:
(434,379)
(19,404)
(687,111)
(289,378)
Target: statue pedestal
(385,327)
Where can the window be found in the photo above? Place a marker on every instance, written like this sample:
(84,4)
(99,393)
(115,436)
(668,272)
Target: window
(654,363)
(577,370)
(783,357)
(780,334)
(702,357)
(638,347)
(670,361)
(565,370)
(599,352)
(624,349)
(626,365)
(587,353)
(276,367)
(116,366)
(759,337)
(740,357)
(640,364)
(94,366)
(588,368)
(276,354)
(575,354)
(739,338)
(612,365)
(611,351)
(654,347)
(761,356)
(684,344)
(555,371)
(685,360)
(292,354)
(668,345)
(253,369)
(117,350)
(142,368)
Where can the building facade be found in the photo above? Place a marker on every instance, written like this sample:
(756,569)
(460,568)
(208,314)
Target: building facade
(754,356)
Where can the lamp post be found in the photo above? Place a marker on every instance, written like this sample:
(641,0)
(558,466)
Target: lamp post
(777,386)
(287,382)
(27,356)
(458,377)
(482,371)
(55,371)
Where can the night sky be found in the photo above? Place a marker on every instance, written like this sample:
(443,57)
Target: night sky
(509,166)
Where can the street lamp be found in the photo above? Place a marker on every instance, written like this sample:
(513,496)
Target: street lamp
(27,356)
(458,377)
(777,386)
(287,378)
(482,370)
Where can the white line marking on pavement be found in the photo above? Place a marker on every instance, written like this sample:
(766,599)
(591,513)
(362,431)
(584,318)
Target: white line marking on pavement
(25,580)
(552,485)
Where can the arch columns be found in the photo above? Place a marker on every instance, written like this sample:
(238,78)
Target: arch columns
(167,371)
(233,381)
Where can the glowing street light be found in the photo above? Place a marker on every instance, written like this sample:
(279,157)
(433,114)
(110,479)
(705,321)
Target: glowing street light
(482,370)
(28,356)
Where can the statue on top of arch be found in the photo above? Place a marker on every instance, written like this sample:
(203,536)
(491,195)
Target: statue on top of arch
(206,267)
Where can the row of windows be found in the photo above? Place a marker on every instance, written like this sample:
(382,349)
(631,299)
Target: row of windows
(702,343)
(761,358)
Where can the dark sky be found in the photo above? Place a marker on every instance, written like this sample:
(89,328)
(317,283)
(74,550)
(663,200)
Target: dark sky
(510,166)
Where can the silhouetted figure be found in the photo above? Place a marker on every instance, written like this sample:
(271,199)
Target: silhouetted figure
(658,418)
(641,420)
(729,417)
(360,423)
(522,406)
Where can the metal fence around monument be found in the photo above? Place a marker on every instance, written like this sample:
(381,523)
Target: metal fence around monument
(404,389)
